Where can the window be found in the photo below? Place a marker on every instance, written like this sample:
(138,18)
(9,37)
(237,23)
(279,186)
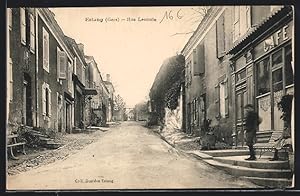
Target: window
(220,36)
(32,33)
(9,17)
(241,21)
(241,76)
(46,98)
(23,25)
(45,50)
(277,80)
(236,23)
(248,17)
(70,77)
(277,59)
(217,99)
(289,76)
(61,64)
(223,99)
(263,76)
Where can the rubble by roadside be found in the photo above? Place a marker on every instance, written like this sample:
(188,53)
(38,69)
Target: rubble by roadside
(37,157)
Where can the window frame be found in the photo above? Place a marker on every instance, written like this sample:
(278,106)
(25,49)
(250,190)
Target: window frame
(23,25)
(32,33)
(46,63)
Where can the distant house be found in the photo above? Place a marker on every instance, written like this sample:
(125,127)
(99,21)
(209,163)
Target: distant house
(111,91)
(100,102)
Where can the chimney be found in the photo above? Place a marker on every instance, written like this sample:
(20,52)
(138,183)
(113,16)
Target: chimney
(108,77)
(81,47)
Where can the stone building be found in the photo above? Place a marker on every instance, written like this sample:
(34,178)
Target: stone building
(21,69)
(224,67)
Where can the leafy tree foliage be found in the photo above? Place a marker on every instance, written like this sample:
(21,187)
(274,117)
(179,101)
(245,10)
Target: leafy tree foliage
(165,90)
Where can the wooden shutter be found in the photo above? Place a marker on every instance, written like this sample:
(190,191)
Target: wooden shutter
(32,33)
(49,102)
(201,57)
(196,71)
(220,36)
(217,99)
(226,97)
(23,25)
(45,50)
(62,64)
(44,99)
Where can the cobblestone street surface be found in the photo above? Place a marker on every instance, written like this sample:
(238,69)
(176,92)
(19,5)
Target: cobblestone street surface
(128,156)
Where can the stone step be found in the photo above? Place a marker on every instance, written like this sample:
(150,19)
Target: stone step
(225,153)
(263,163)
(250,172)
(270,182)
(52,145)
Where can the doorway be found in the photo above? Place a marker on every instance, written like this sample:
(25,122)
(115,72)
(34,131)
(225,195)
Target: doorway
(241,102)
(27,103)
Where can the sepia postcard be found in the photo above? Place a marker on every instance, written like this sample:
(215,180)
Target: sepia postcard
(150,98)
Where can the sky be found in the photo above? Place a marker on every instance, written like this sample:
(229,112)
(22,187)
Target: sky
(133,50)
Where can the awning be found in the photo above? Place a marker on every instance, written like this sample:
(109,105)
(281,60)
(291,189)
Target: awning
(90,91)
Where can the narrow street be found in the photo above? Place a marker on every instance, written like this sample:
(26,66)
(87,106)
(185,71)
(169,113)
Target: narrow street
(129,156)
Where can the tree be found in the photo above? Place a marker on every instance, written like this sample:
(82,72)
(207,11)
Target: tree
(195,18)
(165,89)
(119,103)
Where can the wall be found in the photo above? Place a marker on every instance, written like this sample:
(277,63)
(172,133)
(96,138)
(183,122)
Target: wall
(19,68)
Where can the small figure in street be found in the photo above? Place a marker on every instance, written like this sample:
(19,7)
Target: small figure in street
(252,122)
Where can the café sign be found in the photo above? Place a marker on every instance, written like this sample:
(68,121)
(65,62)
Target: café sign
(278,37)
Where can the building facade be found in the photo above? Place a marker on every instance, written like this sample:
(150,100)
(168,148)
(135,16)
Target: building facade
(21,69)
(54,72)
(262,71)
(227,57)
(49,83)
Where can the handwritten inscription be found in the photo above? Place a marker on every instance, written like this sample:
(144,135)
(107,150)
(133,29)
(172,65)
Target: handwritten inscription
(169,15)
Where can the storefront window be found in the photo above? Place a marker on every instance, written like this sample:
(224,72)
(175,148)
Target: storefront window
(241,75)
(263,76)
(277,58)
(289,76)
(277,80)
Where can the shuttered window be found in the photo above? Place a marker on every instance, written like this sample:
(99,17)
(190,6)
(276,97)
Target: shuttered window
(69,76)
(201,57)
(217,99)
(46,100)
(220,36)
(23,25)
(32,33)
(226,98)
(199,60)
(45,50)
(236,23)
(248,17)
(61,64)
(195,63)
